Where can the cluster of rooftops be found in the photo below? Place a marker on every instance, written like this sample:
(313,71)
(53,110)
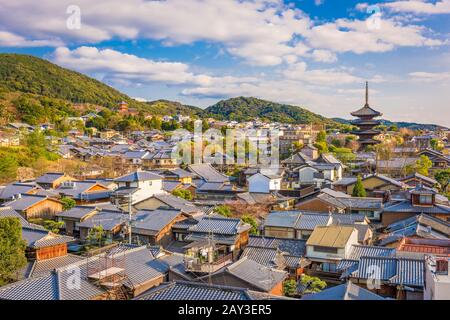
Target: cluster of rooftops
(182,249)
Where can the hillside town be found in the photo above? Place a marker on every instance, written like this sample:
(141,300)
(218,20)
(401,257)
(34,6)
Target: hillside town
(358,212)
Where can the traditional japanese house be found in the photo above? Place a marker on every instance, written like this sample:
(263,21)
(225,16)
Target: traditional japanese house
(35,206)
(52,180)
(419,200)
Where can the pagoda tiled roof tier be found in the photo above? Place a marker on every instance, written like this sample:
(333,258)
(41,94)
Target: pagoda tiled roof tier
(366,132)
(366,111)
(360,122)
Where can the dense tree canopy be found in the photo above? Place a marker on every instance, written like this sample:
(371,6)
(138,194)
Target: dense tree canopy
(12,249)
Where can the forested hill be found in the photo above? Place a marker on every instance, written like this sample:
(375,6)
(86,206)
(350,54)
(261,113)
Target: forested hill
(249,108)
(30,74)
(27,81)
(174,107)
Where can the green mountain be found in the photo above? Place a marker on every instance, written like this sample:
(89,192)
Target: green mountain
(174,107)
(407,125)
(249,108)
(41,81)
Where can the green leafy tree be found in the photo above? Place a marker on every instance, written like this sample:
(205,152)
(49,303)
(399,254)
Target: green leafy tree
(68,203)
(290,288)
(12,249)
(155,123)
(297,146)
(8,167)
(423,165)
(321,146)
(359,190)
(312,284)
(53,226)
(435,145)
(97,122)
(97,235)
(322,136)
(184,194)
(337,143)
(251,221)
(223,210)
(443,177)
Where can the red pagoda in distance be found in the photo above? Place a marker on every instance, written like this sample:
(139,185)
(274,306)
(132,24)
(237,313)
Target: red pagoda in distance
(366,123)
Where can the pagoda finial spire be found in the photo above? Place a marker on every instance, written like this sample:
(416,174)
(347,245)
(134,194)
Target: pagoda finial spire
(367,93)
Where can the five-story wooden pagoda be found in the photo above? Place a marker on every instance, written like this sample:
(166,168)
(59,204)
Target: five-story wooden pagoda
(366,123)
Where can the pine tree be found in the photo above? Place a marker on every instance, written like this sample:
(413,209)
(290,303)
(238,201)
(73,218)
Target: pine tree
(358,189)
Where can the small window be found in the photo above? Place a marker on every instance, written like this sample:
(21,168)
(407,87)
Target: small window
(426,199)
(325,249)
(328,267)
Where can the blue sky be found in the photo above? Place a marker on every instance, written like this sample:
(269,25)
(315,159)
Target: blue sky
(312,53)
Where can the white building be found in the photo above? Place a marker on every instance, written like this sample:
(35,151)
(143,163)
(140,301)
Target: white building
(141,185)
(264,183)
(437,278)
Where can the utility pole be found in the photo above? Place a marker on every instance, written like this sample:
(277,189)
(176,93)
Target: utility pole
(130,197)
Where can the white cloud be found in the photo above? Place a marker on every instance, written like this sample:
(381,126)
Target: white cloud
(324,77)
(324,56)
(430,76)
(356,36)
(125,68)
(419,6)
(261,32)
(8,39)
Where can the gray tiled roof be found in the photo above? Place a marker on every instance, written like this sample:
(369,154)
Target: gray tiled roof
(177,172)
(77,212)
(177,203)
(422,225)
(294,247)
(182,290)
(8,212)
(140,266)
(217,225)
(359,251)
(406,206)
(107,219)
(208,173)
(78,190)
(348,218)
(43,267)
(392,270)
(170,185)
(138,176)
(362,203)
(41,238)
(308,221)
(346,291)
(14,189)
(268,257)
(53,286)
(282,219)
(409,272)
(152,222)
(259,276)
(376,267)
(49,177)
(25,201)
